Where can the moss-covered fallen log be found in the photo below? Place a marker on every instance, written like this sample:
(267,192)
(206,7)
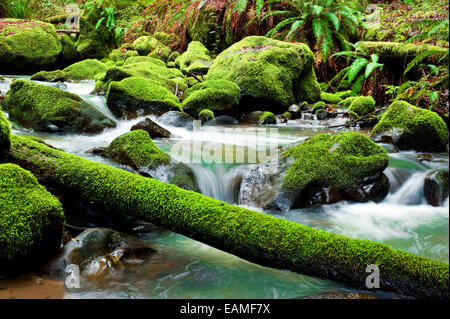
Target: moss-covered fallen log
(251,235)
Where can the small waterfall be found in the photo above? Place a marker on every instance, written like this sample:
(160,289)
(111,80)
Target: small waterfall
(411,192)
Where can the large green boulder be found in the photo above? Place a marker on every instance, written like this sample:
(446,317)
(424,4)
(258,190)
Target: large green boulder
(269,72)
(137,150)
(348,165)
(219,96)
(150,46)
(27,45)
(135,96)
(196,59)
(95,41)
(5,133)
(31,220)
(49,109)
(83,70)
(410,127)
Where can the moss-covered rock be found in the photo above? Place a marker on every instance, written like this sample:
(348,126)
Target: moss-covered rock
(69,53)
(343,94)
(122,54)
(31,220)
(321,105)
(347,101)
(49,76)
(321,114)
(27,45)
(206,115)
(396,50)
(259,117)
(5,132)
(137,150)
(135,95)
(85,70)
(360,106)
(195,60)
(330,98)
(150,46)
(435,187)
(342,162)
(219,96)
(412,128)
(269,72)
(94,42)
(46,108)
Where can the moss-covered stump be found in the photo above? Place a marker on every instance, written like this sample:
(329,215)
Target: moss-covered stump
(219,96)
(137,150)
(346,163)
(259,117)
(269,72)
(257,237)
(27,45)
(49,109)
(196,59)
(396,50)
(94,42)
(360,106)
(31,220)
(150,46)
(5,132)
(135,95)
(410,127)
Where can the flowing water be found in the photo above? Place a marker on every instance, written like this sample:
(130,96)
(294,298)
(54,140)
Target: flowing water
(185,268)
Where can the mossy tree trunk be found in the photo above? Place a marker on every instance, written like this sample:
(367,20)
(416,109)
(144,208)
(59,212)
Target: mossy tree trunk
(248,234)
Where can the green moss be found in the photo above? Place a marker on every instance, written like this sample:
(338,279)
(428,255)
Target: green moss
(202,27)
(268,71)
(120,55)
(324,160)
(196,59)
(321,114)
(31,220)
(396,50)
(136,149)
(323,86)
(258,237)
(319,105)
(27,45)
(173,56)
(135,94)
(219,96)
(347,101)
(69,51)
(5,132)
(148,45)
(46,108)
(267,118)
(287,115)
(49,76)
(85,70)
(343,94)
(419,129)
(330,98)
(206,115)
(140,59)
(304,106)
(361,105)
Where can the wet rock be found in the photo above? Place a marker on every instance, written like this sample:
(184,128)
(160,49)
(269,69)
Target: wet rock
(225,120)
(435,187)
(321,114)
(295,110)
(259,117)
(153,129)
(98,252)
(95,150)
(177,119)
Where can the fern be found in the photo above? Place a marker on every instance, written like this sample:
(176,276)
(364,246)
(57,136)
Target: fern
(423,56)
(356,67)
(240,6)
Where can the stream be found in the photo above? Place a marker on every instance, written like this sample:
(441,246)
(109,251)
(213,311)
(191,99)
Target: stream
(185,268)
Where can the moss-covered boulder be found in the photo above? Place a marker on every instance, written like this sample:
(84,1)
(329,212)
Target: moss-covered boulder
(69,53)
(330,98)
(137,150)
(46,108)
(396,50)
(121,54)
(85,70)
(31,220)
(347,101)
(269,72)
(5,133)
(410,127)
(152,128)
(135,95)
(348,166)
(435,187)
(95,41)
(195,60)
(259,117)
(219,96)
(360,106)
(206,115)
(150,46)
(321,105)
(27,45)
(49,76)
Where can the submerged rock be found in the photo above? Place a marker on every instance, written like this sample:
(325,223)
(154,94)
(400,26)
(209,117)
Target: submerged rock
(153,129)
(27,45)
(410,127)
(99,252)
(326,169)
(139,96)
(195,60)
(435,187)
(31,220)
(270,73)
(49,109)
(219,96)
(137,150)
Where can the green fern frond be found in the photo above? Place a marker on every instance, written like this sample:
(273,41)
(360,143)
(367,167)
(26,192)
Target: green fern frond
(356,67)
(317,27)
(294,28)
(357,86)
(372,66)
(240,6)
(421,57)
(280,25)
(333,19)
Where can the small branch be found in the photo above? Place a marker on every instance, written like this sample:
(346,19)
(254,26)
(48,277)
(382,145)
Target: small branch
(364,117)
